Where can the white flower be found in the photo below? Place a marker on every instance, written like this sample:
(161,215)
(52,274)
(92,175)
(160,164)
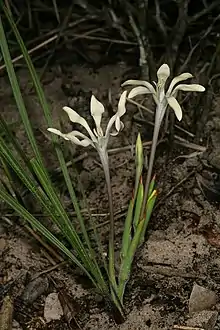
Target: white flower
(161,97)
(96,138)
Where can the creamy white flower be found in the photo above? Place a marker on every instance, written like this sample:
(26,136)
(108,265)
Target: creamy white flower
(96,138)
(161,97)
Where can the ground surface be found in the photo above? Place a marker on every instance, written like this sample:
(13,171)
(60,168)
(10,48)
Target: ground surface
(183,241)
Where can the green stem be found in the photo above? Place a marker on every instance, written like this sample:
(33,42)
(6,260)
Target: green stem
(160,111)
(105,163)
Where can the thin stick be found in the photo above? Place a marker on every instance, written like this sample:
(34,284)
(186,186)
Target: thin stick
(76,37)
(143,56)
(173,188)
(44,43)
(44,244)
(48,270)
(152,113)
(183,327)
(204,11)
(159,20)
(116,41)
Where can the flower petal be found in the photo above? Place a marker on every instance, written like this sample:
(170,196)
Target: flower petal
(57,132)
(140,83)
(121,104)
(177,79)
(116,117)
(110,124)
(189,88)
(118,124)
(85,142)
(163,74)
(175,106)
(140,90)
(76,118)
(73,137)
(97,110)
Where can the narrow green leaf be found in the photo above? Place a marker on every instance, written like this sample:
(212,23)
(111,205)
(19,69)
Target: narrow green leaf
(50,202)
(137,239)
(47,115)
(126,239)
(17,147)
(151,186)
(138,163)
(10,186)
(17,92)
(64,222)
(138,205)
(149,208)
(125,269)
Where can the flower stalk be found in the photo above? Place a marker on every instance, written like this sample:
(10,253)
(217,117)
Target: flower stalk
(111,250)
(150,165)
(98,140)
(163,99)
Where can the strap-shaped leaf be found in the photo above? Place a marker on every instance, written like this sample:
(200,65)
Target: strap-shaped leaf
(138,205)
(139,160)
(149,208)
(126,239)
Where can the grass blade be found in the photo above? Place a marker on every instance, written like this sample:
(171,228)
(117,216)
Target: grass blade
(139,159)
(125,269)
(138,205)
(17,92)
(149,208)
(126,239)
(47,115)
(151,186)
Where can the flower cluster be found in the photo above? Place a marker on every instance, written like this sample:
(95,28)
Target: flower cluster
(162,98)
(96,138)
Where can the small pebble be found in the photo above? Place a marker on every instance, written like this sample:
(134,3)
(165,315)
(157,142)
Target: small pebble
(201,299)
(52,308)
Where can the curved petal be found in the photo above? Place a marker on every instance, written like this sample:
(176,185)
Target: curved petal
(163,74)
(189,88)
(175,106)
(57,132)
(76,118)
(140,90)
(73,137)
(181,77)
(97,110)
(109,126)
(140,83)
(121,104)
(118,124)
(116,117)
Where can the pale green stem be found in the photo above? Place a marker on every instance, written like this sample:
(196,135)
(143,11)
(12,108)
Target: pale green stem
(105,163)
(160,111)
